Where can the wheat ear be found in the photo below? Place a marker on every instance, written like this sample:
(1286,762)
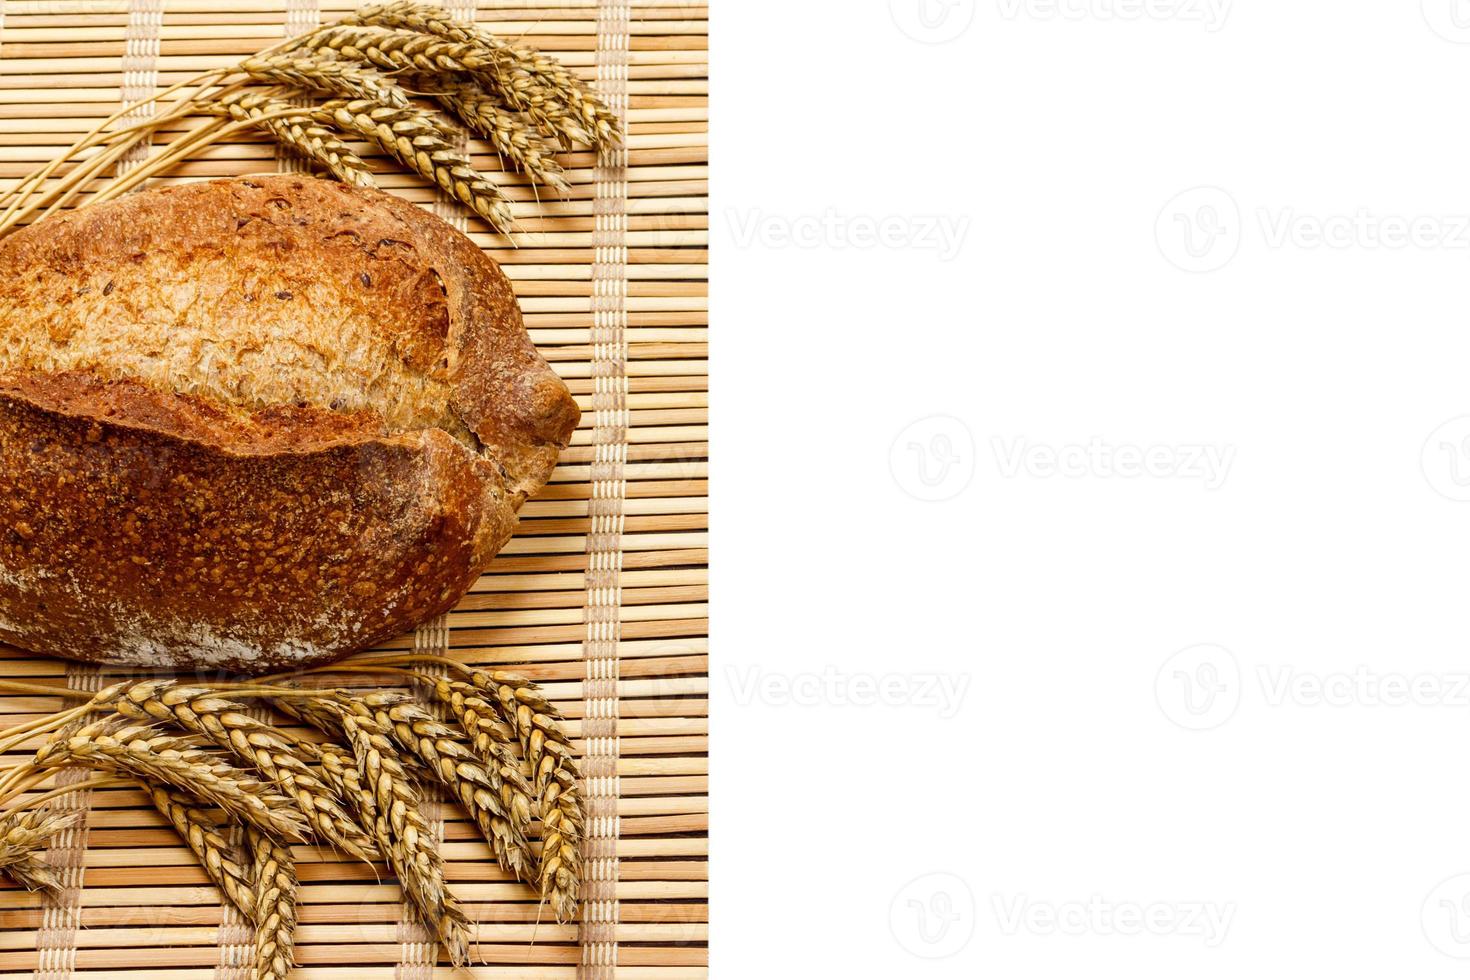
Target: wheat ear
(446,753)
(391,803)
(199,829)
(319,73)
(554,774)
(297,129)
(419,142)
(22,835)
(525,70)
(492,741)
(554,781)
(272,751)
(409,51)
(145,753)
(273,881)
(485,115)
(421,876)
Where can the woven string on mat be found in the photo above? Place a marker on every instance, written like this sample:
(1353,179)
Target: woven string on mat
(605,510)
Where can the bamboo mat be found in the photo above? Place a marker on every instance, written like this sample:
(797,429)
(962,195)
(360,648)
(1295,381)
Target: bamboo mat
(600,596)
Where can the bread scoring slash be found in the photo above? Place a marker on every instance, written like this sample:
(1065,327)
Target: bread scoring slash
(257,423)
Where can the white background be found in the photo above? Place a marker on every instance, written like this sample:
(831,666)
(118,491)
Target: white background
(1332,554)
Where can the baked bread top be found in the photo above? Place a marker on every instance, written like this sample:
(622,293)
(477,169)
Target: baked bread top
(257,422)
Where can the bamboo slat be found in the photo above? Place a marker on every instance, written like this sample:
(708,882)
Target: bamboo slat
(601,596)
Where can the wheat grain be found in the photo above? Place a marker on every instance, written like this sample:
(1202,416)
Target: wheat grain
(547,76)
(318,73)
(340,769)
(417,140)
(485,115)
(392,804)
(180,761)
(22,835)
(199,829)
(297,129)
(225,722)
(273,881)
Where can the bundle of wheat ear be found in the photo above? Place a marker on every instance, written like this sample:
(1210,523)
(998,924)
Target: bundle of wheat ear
(354,782)
(392,76)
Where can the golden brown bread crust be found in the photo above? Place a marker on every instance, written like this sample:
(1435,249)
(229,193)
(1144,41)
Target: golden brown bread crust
(256,423)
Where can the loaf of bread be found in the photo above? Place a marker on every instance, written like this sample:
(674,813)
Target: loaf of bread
(257,423)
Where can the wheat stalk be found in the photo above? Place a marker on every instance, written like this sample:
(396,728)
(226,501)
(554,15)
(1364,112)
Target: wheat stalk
(418,141)
(254,742)
(485,115)
(22,835)
(273,881)
(391,810)
(547,77)
(144,752)
(446,753)
(199,829)
(297,129)
(320,73)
